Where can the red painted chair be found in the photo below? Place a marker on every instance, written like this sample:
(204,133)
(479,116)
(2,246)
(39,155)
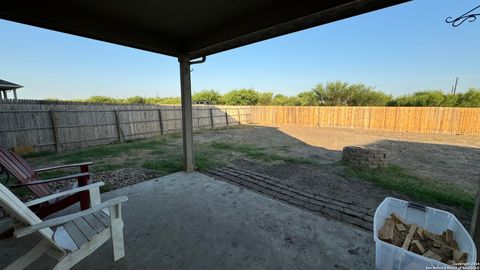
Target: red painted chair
(19,168)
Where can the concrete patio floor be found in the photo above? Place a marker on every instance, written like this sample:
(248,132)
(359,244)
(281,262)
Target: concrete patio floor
(191,221)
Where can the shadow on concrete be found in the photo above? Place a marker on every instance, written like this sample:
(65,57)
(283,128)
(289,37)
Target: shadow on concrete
(191,221)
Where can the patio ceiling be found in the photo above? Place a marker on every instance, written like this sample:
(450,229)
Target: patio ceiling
(184,27)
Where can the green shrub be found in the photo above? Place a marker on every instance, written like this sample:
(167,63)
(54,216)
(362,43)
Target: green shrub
(282,100)
(335,93)
(471,98)
(265,98)
(166,100)
(422,98)
(102,99)
(211,96)
(135,100)
(308,98)
(241,97)
(340,93)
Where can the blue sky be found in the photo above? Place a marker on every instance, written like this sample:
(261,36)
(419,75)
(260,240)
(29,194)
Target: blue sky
(398,50)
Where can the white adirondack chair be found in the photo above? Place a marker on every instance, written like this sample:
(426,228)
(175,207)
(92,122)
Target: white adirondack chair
(69,238)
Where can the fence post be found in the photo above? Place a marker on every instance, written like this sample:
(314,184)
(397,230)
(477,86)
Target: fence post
(211,117)
(226,117)
(370,117)
(119,128)
(56,138)
(239,120)
(396,118)
(318,116)
(160,121)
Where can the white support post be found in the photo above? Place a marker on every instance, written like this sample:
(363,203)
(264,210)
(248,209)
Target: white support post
(5,95)
(15,94)
(187,123)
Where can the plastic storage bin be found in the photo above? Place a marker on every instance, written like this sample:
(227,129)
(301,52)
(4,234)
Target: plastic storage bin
(388,256)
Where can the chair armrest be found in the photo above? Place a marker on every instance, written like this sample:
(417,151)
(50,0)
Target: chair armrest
(64,193)
(64,166)
(67,177)
(64,219)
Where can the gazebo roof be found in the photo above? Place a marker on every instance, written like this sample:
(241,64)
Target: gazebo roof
(4,85)
(184,27)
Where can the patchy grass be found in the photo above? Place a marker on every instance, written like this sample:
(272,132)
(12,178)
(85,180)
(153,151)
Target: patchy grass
(105,151)
(165,166)
(419,188)
(107,167)
(106,187)
(38,154)
(19,191)
(56,173)
(258,153)
(162,154)
(205,159)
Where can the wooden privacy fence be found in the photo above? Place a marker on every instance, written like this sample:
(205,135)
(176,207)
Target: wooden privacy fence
(410,119)
(60,129)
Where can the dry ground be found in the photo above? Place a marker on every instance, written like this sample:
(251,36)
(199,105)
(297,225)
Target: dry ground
(306,157)
(443,157)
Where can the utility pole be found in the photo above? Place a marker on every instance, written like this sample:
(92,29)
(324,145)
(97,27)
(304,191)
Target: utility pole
(455,87)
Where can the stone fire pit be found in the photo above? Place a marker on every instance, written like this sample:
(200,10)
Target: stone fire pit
(360,156)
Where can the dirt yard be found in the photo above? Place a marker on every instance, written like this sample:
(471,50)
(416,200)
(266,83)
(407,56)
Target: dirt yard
(443,157)
(304,157)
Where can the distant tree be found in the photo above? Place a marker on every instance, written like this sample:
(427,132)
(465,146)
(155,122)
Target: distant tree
(211,96)
(366,96)
(336,93)
(471,98)
(54,99)
(307,98)
(282,100)
(333,93)
(451,100)
(171,100)
(265,98)
(135,100)
(340,93)
(241,97)
(431,98)
(102,99)
(152,100)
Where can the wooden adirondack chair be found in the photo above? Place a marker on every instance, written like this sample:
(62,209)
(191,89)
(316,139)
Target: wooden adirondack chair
(18,167)
(76,235)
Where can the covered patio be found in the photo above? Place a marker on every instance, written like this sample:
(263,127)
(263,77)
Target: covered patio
(189,220)
(8,86)
(192,221)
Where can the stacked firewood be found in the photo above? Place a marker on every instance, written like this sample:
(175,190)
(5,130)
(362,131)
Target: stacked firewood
(418,240)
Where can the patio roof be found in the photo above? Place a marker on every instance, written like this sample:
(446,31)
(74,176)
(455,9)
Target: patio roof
(4,85)
(184,27)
